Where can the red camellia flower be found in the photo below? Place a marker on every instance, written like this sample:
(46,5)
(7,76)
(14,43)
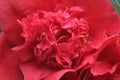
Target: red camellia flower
(57,39)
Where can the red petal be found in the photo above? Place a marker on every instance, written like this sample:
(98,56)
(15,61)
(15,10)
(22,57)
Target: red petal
(89,76)
(69,3)
(104,77)
(100,68)
(9,69)
(65,74)
(2,45)
(32,71)
(102,20)
(108,76)
(25,54)
(111,52)
(108,57)
(8,22)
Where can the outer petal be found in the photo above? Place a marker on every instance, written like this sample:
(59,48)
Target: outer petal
(25,54)
(32,71)
(8,22)
(101,68)
(9,69)
(107,63)
(108,58)
(2,45)
(102,19)
(108,76)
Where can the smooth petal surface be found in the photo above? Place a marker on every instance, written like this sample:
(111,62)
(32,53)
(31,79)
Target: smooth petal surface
(8,23)
(3,44)
(103,17)
(9,69)
(102,20)
(100,68)
(24,54)
(32,71)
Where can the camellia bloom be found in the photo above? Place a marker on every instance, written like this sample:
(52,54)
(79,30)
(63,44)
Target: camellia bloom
(57,40)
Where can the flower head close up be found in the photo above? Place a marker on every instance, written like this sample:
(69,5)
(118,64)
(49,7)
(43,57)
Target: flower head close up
(58,39)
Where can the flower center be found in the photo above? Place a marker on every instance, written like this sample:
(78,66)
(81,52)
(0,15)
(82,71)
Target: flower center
(56,37)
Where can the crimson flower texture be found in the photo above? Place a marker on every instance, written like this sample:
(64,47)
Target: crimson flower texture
(59,40)
(107,64)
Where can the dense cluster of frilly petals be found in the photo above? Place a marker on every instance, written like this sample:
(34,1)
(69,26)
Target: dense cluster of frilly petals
(59,40)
